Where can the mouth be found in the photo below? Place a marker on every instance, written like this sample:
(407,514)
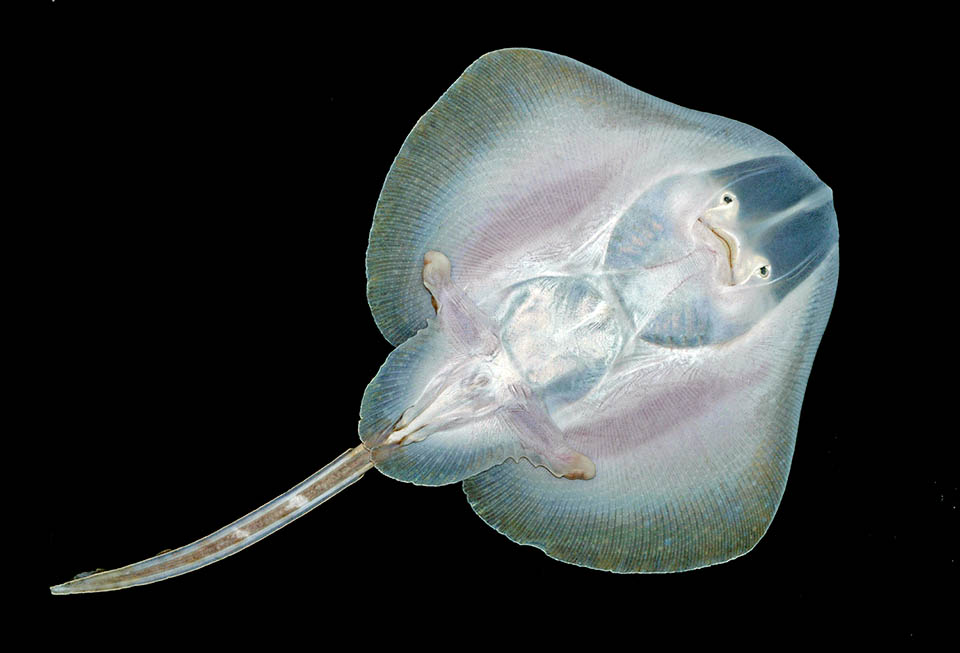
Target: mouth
(731,246)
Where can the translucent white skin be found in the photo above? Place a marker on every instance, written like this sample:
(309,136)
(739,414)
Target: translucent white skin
(649,284)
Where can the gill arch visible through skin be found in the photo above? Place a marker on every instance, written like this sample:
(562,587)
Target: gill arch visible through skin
(292,504)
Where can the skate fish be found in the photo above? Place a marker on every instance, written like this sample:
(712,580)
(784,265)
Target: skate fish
(605,308)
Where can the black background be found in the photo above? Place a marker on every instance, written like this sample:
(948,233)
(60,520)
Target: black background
(210,186)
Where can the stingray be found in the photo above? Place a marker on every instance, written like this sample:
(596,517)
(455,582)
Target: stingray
(605,309)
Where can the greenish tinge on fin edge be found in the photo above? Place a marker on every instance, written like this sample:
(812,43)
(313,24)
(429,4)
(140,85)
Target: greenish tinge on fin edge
(615,528)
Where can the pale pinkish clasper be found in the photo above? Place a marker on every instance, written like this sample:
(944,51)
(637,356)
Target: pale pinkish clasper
(605,309)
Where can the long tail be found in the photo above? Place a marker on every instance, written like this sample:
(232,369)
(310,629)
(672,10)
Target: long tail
(297,501)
